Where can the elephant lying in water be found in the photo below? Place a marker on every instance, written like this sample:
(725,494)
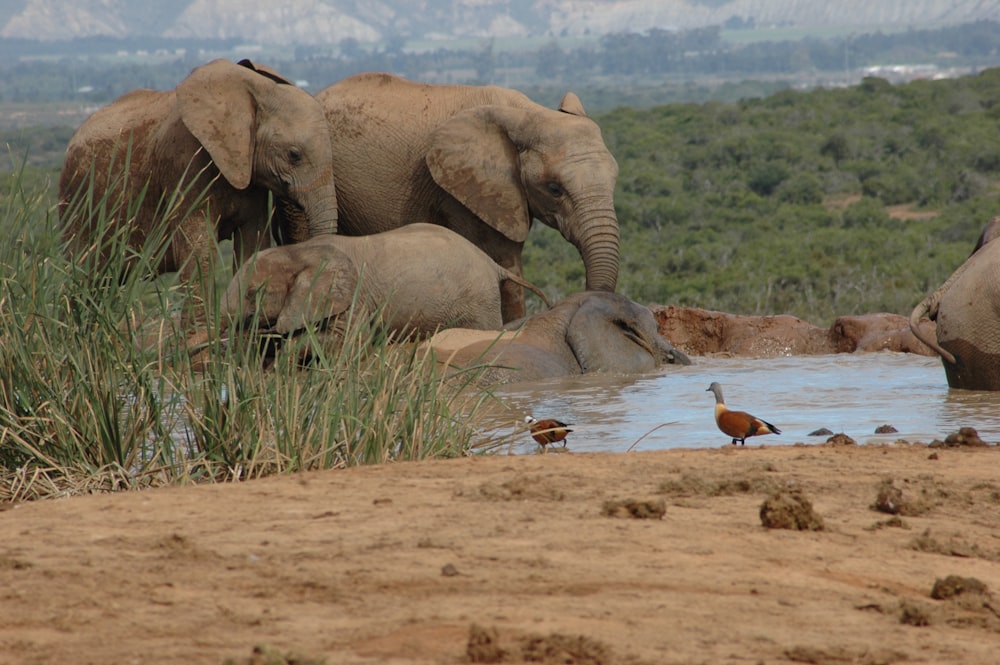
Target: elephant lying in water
(418,278)
(591,331)
(966,309)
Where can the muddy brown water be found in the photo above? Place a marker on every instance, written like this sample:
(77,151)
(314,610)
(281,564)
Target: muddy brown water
(849,393)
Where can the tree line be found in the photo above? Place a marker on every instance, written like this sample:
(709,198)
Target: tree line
(815,203)
(89,69)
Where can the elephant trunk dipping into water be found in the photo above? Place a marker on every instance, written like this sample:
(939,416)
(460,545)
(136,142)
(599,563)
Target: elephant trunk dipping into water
(483,161)
(966,310)
(191,166)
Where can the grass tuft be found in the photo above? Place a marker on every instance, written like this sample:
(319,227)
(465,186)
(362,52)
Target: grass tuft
(98,392)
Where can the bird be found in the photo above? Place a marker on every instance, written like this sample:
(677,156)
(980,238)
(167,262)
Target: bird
(548,430)
(738,424)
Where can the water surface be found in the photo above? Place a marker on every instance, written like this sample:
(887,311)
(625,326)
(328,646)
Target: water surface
(849,393)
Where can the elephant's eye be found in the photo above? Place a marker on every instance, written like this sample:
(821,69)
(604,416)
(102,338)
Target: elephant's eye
(555,189)
(294,156)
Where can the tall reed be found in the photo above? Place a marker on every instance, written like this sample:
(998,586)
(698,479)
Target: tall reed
(98,391)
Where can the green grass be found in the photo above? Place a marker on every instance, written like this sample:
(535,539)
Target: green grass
(98,391)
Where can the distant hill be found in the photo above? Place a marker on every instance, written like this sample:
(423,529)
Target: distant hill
(312,22)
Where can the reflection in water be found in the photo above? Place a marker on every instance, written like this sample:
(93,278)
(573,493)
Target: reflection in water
(850,393)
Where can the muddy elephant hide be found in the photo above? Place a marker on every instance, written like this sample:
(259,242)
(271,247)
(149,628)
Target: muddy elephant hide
(591,331)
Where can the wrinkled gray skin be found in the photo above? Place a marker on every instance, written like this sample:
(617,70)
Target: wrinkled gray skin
(966,310)
(591,331)
(309,283)
(481,160)
(234,131)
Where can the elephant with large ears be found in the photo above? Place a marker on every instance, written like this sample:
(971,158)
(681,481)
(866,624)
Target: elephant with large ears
(483,161)
(966,311)
(590,331)
(191,166)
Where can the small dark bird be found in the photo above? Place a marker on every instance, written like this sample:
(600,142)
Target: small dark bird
(548,430)
(738,424)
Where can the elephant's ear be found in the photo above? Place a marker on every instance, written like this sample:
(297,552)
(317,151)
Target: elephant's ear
(571,104)
(264,70)
(217,106)
(472,158)
(319,292)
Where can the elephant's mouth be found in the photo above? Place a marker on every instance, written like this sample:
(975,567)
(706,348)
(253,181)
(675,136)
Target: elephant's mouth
(289,221)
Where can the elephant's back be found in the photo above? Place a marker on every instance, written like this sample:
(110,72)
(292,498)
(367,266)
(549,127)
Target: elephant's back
(357,98)
(134,111)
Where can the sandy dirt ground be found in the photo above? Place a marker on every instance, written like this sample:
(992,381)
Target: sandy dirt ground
(643,557)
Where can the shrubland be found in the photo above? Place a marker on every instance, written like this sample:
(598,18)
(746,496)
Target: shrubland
(817,203)
(814,203)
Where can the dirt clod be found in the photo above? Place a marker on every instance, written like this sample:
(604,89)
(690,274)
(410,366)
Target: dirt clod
(964,437)
(790,509)
(897,498)
(557,649)
(955,585)
(646,509)
(914,614)
(484,645)
(553,649)
(266,655)
(841,439)
(885,429)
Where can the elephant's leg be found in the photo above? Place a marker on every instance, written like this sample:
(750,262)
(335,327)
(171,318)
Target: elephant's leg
(194,250)
(512,294)
(248,239)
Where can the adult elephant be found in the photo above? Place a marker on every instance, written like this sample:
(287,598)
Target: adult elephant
(483,161)
(590,331)
(966,310)
(194,165)
(288,289)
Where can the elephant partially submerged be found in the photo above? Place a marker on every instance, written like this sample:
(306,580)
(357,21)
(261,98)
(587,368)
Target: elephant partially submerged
(483,161)
(194,165)
(966,310)
(591,331)
(416,279)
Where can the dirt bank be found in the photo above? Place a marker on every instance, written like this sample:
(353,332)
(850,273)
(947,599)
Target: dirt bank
(536,557)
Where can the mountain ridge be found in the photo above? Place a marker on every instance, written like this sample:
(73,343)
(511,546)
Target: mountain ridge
(313,22)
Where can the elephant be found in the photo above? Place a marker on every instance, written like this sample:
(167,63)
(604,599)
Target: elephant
(187,167)
(483,161)
(589,331)
(966,310)
(286,289)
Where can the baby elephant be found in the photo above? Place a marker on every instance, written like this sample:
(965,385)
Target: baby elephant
(419,278)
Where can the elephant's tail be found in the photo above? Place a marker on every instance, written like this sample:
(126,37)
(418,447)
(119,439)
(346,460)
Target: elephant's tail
(528,285)
(919,312)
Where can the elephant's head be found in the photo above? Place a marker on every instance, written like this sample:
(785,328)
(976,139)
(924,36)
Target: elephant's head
(263,131)
(608,332)
(591,331)
(509,165)
(286,289)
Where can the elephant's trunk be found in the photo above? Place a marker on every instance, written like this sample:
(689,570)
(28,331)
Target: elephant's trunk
(928,307)
(312,212)
(319,204)
(597,237)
